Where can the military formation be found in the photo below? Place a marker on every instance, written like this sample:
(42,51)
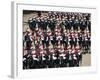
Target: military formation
(56,39)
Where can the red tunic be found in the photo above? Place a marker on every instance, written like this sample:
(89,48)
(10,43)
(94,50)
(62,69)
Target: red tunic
(77,47)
